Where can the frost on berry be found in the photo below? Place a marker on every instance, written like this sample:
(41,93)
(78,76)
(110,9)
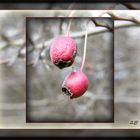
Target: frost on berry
(63,51)
(75,84)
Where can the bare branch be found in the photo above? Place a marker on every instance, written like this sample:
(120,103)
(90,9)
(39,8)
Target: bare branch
(92,32)
(135,22)
(102,24)
(130,6)
(116,17)
(76,35)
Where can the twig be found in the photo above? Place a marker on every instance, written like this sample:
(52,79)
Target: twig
(116,17)
(91,32)
(129,6)
(102,24)
(78,35)
(81,34)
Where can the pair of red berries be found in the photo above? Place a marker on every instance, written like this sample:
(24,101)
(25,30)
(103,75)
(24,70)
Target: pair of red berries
(62,53)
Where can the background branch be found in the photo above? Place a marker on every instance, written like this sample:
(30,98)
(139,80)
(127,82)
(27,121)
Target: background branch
(101,24)
(130,6)
(133,22)
(128,18)
(77,35)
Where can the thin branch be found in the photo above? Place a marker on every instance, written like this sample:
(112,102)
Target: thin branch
(78,35)
(130,6)
(116,17)
(96,32)
(102,24)
(81,34)
(91,32)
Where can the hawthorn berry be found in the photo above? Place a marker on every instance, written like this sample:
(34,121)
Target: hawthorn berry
(75,84)
(63,51)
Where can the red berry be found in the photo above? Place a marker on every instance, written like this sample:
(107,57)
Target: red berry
(75,84)
(63,51)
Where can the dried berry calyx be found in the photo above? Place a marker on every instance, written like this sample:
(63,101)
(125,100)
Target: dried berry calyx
(63,51)
(66,91)
(75,84)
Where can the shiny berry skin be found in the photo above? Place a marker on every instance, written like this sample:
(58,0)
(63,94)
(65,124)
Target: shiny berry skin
(63,51)
(75,84)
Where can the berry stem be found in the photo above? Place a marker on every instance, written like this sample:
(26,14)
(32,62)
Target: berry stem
(84,53)
(69,25)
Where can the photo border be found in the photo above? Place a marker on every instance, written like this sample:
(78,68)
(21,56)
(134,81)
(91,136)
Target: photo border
(112,72)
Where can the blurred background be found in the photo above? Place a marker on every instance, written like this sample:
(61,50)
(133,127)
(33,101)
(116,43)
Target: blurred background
(13,76)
